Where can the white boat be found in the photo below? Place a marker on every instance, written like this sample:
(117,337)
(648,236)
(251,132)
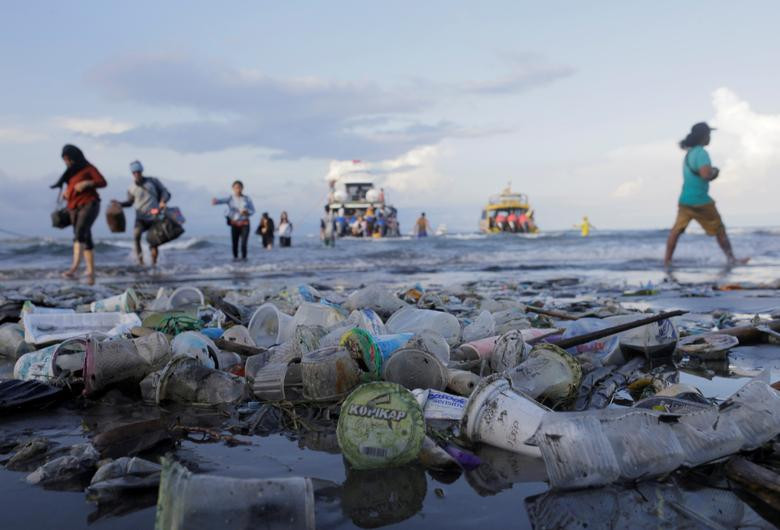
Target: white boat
(359,208)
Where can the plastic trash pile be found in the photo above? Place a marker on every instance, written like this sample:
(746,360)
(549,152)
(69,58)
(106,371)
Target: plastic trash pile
(442,377)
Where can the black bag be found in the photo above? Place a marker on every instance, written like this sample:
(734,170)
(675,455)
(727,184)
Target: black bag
(115,217)
(162,231)
(60,217)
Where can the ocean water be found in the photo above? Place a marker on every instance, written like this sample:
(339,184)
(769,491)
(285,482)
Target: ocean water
(606,258)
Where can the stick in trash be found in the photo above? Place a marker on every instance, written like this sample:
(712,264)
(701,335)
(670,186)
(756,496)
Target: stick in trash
(551,313)
(600,334)
(241,349)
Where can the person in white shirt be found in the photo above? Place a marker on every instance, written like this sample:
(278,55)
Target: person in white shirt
(285,231)
(240,209)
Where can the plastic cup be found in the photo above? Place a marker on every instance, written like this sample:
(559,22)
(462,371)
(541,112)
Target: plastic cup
(126,302)
(186,297)
(500,416)
(198,346)
(269,326)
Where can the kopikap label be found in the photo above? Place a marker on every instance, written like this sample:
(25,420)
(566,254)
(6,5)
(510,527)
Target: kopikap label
(367,411)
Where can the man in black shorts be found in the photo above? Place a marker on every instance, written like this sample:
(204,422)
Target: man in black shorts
(148,195)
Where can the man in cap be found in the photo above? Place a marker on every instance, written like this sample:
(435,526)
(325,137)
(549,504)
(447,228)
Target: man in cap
(148,195)
(695,202)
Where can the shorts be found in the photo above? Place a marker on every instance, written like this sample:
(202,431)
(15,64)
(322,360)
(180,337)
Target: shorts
(704,214)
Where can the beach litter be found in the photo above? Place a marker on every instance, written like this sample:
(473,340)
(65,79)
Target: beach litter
(577,393)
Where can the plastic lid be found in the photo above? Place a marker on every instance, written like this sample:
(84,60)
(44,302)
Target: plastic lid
(380,425)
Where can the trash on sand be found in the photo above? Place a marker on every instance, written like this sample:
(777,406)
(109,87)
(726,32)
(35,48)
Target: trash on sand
(45,328)
(198,346)
(462,382)
(12,342)
(654,341)
(508,352)
(114,361)
(708,346)
(498,415)
(413,319)
(269,326)
(239,335)
(328,374)
(74,466)
(16,395)
(439,405)
(593,448)
(482,327)
(186,297)
(60,364)
(127,302)
(185,380)
(189,501)
(373,351)
(415,368)
(380,425)
(376,298)
(121,477)
(309,314)
(549,374)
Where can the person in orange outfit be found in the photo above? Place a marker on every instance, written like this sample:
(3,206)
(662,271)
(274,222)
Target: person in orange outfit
(82,180)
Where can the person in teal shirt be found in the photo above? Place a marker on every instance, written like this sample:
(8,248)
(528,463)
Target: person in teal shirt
(695,202)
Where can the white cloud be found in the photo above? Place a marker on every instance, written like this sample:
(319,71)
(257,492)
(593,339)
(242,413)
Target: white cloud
(412,171)
(20,136)
(747,144)
(628,188)
(93,126)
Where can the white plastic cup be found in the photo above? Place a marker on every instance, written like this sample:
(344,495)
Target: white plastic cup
(414,320)
(269,326)
(46,365)
(186,297)
(126,302)
(500,416)
(198,346)
(310,314)
(548,373)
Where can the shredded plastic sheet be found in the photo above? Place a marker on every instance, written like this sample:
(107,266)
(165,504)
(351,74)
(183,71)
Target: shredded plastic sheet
(595,448)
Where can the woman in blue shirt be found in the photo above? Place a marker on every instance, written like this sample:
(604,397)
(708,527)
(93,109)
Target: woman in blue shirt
(695,202)
(240,209)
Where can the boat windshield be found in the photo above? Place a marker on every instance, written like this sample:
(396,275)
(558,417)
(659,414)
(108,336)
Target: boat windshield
(357,191)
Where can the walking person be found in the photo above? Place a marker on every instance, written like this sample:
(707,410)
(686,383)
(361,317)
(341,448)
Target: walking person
(695,202)
(285,231)
(328,228)
(148,196)
(422,226)
(266,231)
(240,209)
(81,180)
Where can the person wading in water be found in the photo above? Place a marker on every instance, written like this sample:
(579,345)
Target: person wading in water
(695,202)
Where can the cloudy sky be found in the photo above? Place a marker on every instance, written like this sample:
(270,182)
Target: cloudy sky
(578,104)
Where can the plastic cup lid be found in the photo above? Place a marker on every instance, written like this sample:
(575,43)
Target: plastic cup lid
(380,425)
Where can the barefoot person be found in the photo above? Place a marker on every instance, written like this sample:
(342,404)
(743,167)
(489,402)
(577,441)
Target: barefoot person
(266,231)
(147,194)
(240,209)
(82,180)
(285,231)
(695,202)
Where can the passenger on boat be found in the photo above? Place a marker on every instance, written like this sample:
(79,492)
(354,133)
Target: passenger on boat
(501,221)
(512,222)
